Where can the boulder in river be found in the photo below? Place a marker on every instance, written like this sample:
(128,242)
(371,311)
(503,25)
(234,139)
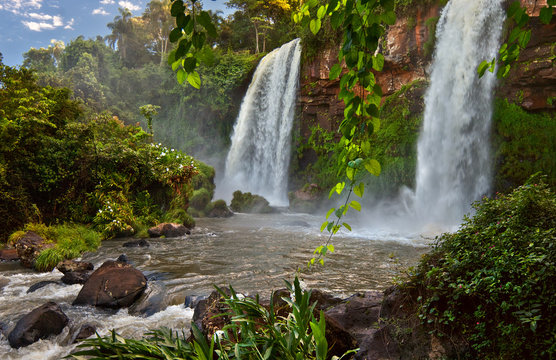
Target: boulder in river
(152,300)
(168,230)
(74,265)
(113,285)
(76,277)
(250,203)
(137,243)
(41,284)
(29,247)
(40,323)
(218,209)
(84,332)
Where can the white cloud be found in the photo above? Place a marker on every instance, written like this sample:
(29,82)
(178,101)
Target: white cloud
(69,25)
(129,5)
(40,16)
(20,6)
(106,2)
(46,22)
(100,11)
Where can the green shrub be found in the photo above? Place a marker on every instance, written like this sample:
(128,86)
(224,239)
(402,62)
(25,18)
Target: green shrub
(180,216)
(493,280)
(200,199)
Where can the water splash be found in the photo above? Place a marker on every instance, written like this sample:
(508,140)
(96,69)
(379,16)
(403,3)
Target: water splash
(453,161)
(258,160)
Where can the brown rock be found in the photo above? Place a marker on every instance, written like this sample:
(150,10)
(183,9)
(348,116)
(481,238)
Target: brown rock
(113,285)
(168,230)
(9,255)
(40,323)
(76,277)
(29,247)
(73,265)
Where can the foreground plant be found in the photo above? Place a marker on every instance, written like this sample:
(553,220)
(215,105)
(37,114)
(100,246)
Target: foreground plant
(492,282)
(254,332)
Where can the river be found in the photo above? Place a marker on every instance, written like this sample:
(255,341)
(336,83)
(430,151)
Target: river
(253,253)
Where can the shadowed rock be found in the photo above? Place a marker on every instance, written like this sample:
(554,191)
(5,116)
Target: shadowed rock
(40,323)
(113,285)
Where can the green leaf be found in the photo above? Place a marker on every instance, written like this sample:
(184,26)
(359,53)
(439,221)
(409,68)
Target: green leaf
(177,8)
(324,225)
(181,75)
(198,40)
(321,12)
(359,189)
(330,248)
(546,15)
(194,79)
(314,26)
(356,205)
(350,172)
(373,167)
(175,35)
(330,212)
(483,68)
(347,226)
(335,71)
(378,62)
(524,38)
(189,64)
(389,18)
(340,187)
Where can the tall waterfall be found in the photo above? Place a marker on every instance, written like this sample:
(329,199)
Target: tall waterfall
(259,157)
(453,158)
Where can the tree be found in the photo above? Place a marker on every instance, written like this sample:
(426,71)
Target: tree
(159,24)
(41,59)
(263,15)
(122,28)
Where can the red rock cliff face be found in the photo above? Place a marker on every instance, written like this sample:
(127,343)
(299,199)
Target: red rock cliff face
(532,80)
(407,49)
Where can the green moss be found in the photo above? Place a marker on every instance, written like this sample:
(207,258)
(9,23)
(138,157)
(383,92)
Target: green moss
(394,145)
(249,203)
(180,216)
(200,199)
(523,144)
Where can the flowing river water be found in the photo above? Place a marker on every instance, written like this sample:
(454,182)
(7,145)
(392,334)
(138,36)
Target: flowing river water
(253,253)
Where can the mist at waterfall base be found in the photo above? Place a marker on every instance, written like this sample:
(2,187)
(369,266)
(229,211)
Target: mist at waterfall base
(453,152)
(258,160)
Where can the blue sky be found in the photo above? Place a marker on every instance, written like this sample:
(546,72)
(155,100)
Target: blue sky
(36,23)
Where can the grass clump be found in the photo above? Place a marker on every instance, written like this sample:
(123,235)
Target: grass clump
(70,242)
(492,282)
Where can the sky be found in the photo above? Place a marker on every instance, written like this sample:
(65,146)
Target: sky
(37,23)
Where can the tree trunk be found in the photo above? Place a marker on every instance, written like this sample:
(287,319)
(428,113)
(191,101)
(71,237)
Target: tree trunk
(256,39)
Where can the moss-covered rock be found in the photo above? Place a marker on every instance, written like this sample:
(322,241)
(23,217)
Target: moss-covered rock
(218,209)
(250,203)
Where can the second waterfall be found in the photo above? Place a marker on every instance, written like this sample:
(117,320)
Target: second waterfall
(258,160)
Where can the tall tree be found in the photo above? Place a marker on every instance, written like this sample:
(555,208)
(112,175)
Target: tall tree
(159,23)
(121,27)
(263,15)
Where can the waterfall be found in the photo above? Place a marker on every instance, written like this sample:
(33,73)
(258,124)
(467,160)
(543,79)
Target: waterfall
(453,158)
(258,160)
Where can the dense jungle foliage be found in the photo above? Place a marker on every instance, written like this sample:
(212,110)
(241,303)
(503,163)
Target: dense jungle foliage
(57,165)
(489,287)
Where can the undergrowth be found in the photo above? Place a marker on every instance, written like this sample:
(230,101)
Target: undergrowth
(492,282)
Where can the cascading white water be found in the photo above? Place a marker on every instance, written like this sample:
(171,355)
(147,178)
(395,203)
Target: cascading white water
(258,160)
(453,162)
